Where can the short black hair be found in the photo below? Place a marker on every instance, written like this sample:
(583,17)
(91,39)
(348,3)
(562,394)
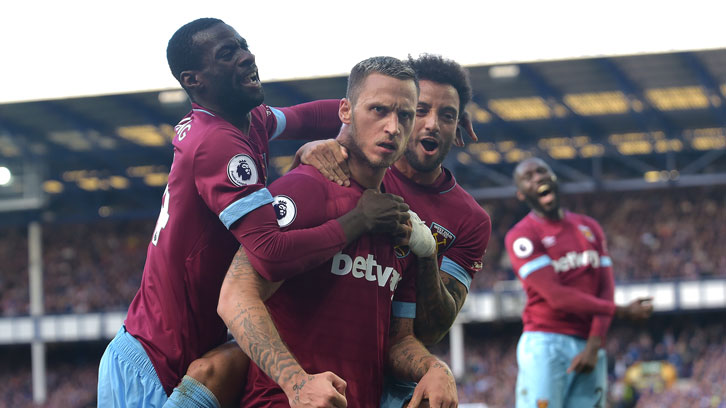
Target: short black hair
(389,66)
(181,52)
(444,71)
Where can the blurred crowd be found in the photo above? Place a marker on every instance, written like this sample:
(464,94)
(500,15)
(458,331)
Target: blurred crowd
(693,348)
(652,235)
(87,267)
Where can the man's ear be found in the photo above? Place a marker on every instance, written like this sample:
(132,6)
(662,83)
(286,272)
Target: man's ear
(190,79)
(520,196)
(345,111)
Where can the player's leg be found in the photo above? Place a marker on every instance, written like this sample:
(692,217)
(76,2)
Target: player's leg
(126,376)
(542,367)
(589,390)
(214,380)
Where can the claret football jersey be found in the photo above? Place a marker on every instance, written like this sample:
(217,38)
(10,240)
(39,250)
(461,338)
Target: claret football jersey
(460,225)
(218,175)
(335,317)
(575,249)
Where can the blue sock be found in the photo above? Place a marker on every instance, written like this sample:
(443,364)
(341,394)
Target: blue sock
(191,394)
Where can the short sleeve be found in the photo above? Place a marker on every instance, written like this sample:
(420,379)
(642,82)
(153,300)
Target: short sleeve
(404,297)
(229,176)
(464,259)
(526,252)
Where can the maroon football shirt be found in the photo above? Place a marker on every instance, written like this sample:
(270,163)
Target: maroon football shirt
(574,248)
(461,227)
(217,177)
(335,317)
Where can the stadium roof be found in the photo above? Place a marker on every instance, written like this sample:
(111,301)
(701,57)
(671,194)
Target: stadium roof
(629,119)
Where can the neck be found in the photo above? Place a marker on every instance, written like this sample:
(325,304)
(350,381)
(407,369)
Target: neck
(239,119)
(418,177)
(364,174)
(553,216)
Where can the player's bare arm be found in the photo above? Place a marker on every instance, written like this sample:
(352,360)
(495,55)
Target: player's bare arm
(242,308)
(437,301)
(408,359)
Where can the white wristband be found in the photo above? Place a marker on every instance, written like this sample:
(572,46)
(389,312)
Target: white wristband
(422,243)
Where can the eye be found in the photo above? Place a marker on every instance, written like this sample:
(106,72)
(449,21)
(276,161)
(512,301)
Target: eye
(405,115)
(448,117)
(421,111)
(379,109)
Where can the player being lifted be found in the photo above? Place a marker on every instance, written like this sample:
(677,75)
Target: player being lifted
(216,199)
(561,258)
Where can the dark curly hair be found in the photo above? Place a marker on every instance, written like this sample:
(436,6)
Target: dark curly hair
(444,71)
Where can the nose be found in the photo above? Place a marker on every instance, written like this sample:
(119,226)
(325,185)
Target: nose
(246,58)
(540,175)
(431,123)
(392,126)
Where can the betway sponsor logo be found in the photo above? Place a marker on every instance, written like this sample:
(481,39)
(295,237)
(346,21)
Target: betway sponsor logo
(573,260)
(366,268)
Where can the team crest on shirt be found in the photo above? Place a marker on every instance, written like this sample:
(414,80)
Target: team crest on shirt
(444,238)
(477,266)
(543,403)
(548,241)
(587,232)
(285,210)
(242,170)
(522,247)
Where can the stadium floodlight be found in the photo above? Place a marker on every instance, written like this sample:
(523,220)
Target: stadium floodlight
(172,97)
(5,176)
(504,71)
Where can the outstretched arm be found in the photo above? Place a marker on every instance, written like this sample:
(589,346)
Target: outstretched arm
(308,121)
(241,306)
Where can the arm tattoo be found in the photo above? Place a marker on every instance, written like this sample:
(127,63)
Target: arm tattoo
(251,324)
(408,359)
(436,307)
(456,289)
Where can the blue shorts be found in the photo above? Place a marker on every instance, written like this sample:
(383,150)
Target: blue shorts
(396,393)
(543,381)
(126,377)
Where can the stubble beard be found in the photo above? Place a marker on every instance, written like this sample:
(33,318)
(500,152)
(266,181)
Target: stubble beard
(422,167)
(355,150)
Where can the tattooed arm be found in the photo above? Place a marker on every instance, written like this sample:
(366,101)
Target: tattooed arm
(409,360)
(241,306)
(439,298)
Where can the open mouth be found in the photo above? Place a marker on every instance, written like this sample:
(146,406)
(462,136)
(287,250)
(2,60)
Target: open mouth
(546,194)
(252,79)
(544,189)
(387,145)
(429,145)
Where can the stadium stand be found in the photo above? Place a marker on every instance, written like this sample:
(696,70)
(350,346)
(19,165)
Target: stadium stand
(660,235)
